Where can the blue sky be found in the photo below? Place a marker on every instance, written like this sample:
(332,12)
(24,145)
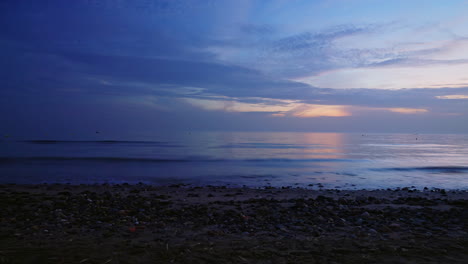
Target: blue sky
(142,67)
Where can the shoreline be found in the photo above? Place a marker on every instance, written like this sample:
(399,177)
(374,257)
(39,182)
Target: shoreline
(60,223)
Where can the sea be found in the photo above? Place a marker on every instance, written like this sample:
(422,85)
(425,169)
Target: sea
(252,159)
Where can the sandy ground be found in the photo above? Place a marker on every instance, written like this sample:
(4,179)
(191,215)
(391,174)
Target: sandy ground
(186,224)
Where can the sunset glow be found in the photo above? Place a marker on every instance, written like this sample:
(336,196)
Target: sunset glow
(329,65)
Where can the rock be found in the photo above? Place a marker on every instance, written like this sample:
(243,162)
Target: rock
(47,203)
(123,212)
(343,207)
(385,229)
(281,227)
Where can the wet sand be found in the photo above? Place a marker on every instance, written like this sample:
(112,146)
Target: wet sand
(186,224)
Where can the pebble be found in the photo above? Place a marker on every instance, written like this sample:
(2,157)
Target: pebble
(120,214)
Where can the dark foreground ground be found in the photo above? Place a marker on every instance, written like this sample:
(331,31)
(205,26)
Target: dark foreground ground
(183,224)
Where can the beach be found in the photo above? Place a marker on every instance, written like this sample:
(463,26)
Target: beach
(320,132)
(122,223)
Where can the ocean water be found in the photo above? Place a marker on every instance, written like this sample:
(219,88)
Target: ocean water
(311,160)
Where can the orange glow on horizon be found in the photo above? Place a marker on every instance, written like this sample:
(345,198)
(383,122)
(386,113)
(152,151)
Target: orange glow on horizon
(294,108)
(407,110)
(278,114)
(321,110)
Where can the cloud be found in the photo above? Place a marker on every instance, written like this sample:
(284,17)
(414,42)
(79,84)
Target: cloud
(317,41)
(407,110)
(153,57)
(237,106)
(428,61)
(210,77)
(395,77)
(420,54)
(452,96)
(308,110)
(286,108)
(293,108)
(274,51)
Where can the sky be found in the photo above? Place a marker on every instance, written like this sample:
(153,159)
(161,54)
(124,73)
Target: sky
(128,68)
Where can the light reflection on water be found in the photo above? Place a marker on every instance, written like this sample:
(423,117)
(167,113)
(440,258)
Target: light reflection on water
(254,159)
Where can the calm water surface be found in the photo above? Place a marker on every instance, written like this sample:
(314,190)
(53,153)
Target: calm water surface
(332,160)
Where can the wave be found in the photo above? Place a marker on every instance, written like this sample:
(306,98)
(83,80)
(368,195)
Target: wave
(257,176)
(158,160)
(107,142)
(440,169)
(270,146)
(96,159)
(298,160)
